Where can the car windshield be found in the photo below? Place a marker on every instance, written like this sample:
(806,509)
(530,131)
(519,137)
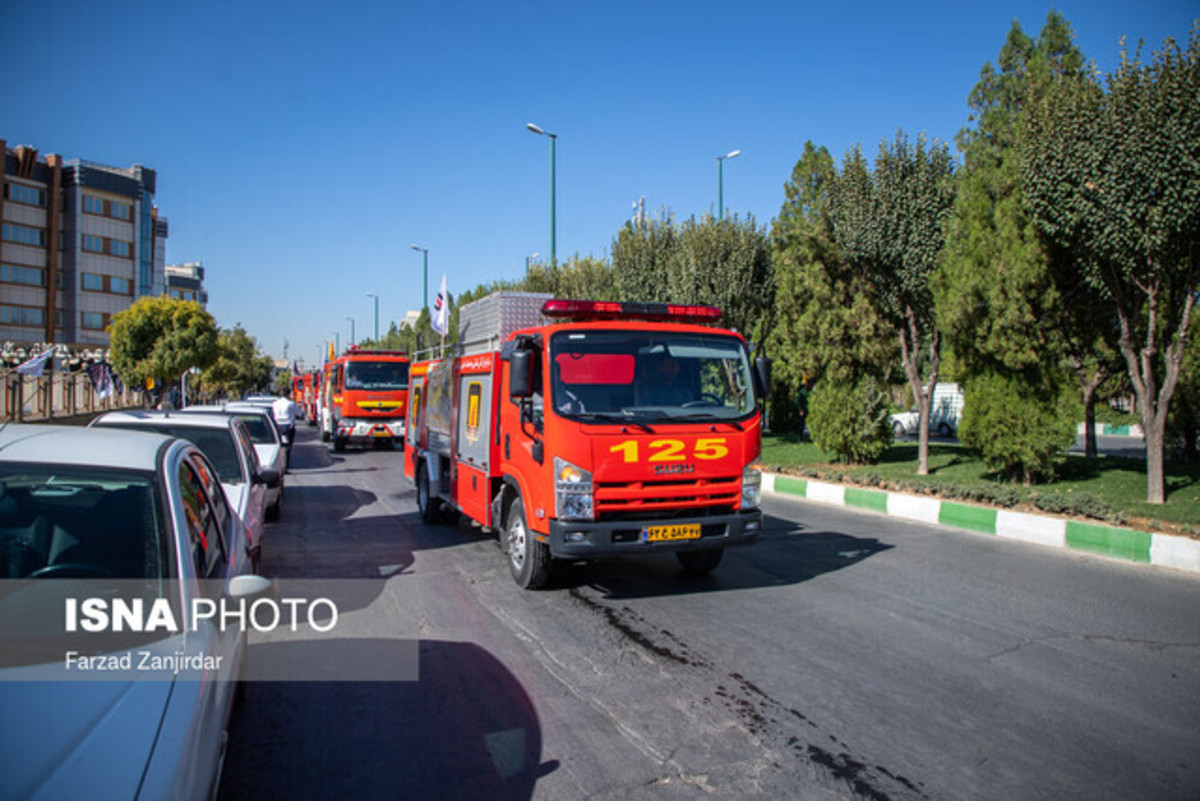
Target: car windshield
(215,443)
(76,522)
(619,376)
(376,375)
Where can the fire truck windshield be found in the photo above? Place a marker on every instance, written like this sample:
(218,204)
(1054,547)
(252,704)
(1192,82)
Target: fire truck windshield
(659,376)
(376,375)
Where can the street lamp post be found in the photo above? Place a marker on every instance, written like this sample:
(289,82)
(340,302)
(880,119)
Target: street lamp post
(373,295)
(353,339)
(733,154)
(529,258)
(553,139)
(425,283)
(337,343)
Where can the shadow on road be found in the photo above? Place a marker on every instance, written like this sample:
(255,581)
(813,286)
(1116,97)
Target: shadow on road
(786,554)
(465,729)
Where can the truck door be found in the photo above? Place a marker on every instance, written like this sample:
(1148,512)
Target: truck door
(473,440)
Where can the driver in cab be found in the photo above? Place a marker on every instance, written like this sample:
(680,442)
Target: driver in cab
(662,384)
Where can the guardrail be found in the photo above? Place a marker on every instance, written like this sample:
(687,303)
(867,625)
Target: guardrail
(32,398)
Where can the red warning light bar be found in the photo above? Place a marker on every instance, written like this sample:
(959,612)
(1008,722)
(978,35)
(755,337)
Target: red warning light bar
(609,310)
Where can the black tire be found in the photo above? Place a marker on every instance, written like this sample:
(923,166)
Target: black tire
(324,436)
(339,444)
(696,563)
(429,507)
(528,559)
(943,430)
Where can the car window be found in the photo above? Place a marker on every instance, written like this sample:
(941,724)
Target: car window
(259,429)
(216,443)
(205,540)
(79,521)
(247,447)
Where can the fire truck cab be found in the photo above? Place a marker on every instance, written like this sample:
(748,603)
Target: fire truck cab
(583,429)
(369,397)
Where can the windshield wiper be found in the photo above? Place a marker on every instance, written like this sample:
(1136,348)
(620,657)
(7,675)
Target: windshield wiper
(698,417)
(612,418)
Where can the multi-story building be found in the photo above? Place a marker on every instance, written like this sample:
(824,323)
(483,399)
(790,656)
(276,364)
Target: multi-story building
(186,282)
(80,242)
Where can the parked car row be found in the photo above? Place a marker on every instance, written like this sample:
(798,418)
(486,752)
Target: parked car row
(168,498)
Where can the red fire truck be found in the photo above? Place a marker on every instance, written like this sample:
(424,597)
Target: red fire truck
(369,396)
(609,428)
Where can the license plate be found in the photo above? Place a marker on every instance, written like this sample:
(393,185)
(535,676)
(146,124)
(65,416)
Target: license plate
(383,433)
(684,531)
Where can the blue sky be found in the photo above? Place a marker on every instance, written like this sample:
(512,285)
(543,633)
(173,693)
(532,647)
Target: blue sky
(302,146)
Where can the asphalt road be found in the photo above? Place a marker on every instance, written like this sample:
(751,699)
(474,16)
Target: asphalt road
(843,656)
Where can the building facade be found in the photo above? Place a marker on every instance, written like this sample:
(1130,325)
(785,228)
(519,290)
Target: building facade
(79,242)
(186,282)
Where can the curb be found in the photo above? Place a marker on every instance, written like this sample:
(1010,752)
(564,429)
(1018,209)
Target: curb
(1164,550)
(1110,430)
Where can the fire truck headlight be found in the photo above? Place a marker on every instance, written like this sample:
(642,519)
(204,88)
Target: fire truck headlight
(751,486)
(572,491)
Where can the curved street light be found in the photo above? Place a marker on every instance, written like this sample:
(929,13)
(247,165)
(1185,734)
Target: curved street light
(733,154)
(425,284)
(553,138)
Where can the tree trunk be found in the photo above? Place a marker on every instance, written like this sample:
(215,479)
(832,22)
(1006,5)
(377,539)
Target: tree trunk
(1156,491)
(909,341)
(1089,421)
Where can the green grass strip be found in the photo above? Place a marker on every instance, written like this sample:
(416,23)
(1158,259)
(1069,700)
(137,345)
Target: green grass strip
(792,486)
(972,518)
(871,500)
(1117,542)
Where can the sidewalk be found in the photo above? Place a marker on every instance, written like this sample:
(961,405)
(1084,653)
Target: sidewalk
(1153,548)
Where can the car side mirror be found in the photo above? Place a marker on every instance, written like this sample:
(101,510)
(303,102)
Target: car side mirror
(520,374)
(267,475)
(762,375)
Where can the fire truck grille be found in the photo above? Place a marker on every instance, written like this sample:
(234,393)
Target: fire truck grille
(649,500)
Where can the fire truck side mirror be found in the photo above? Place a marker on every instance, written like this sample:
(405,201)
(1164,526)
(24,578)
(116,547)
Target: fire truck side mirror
(762,375)
(520,374)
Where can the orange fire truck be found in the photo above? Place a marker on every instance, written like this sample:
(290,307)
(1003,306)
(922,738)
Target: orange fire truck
(369,395)
(609,428)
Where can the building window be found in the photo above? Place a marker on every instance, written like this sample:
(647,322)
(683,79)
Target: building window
(93,205)
(18,274)
(118,247)
(93,244)
(120,286)
(23,234)
(25,194)
(22,315)
(58,318)
(121,211)
(93,282)
(93,321)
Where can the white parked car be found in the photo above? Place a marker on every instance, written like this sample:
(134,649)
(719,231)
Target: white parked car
(944,413)
(226,443)
(100,504)
(268,444)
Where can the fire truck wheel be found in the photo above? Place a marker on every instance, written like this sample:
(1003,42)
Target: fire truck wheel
(339,444)
(429,507)
(324,436)
(528,559)
(699,562)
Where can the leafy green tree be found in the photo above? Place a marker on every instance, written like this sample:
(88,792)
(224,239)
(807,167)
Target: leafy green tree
(889,223)
(580,278)
(850,419)
(240,366)
(160,338)
(996,296)
(641,255)
(1112,175)
(283,383)
(824,325)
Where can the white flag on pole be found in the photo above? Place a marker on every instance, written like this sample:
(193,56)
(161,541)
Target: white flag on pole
(36,365)
(441,310)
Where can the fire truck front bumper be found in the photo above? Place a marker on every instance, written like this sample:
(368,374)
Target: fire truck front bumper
(590,540)
(359,430)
